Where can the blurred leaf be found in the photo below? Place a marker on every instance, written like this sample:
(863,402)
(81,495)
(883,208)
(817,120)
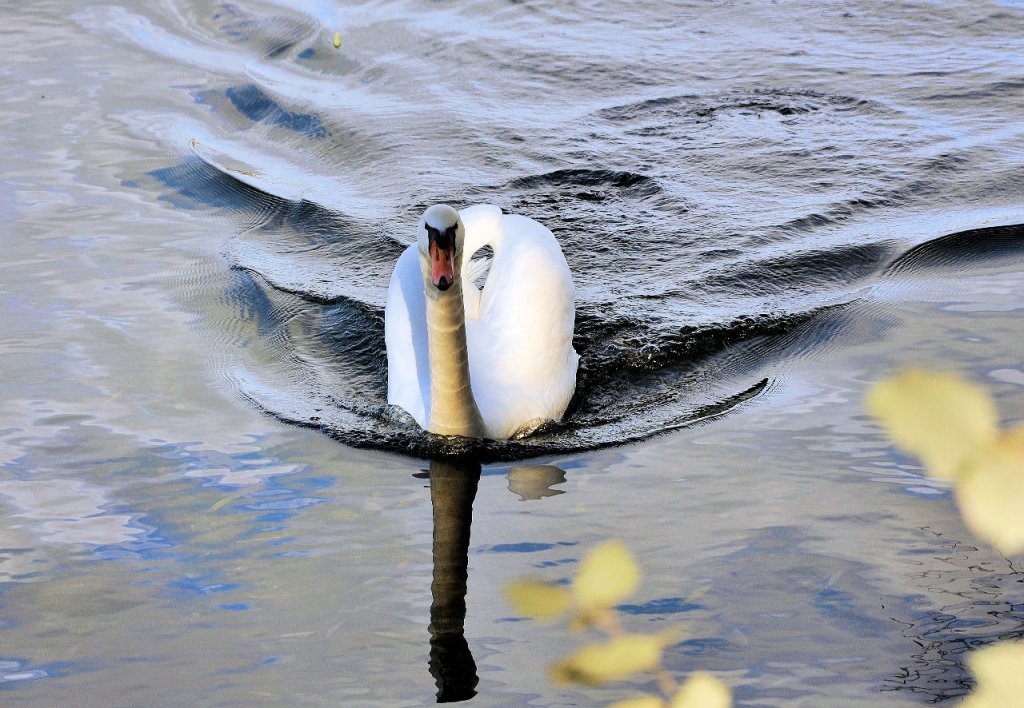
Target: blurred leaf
(640,702)
(623,656)
(537,599)
(940,418)
(337,40)
(991,494)
(1000,679)
(702,690)
(608,575)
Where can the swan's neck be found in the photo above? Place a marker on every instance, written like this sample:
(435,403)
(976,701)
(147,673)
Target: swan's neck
(453,410)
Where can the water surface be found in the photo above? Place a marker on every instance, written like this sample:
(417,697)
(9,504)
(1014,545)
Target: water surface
(765,208)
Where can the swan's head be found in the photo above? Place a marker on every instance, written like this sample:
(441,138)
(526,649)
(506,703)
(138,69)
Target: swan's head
(440,240)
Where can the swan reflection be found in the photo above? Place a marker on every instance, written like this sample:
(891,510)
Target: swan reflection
(453,485)
(535,481)
(452,490)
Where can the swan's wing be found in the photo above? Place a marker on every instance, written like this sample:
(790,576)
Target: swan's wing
(482,224)
(405,335)
(521,356)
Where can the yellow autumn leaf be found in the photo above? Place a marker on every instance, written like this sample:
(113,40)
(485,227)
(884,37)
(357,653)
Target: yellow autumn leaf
(639,702)
(608,575)
(990,492)
(702,690)
(337,40)
(941,418)
(538,599)
(616,659)
(1000,679)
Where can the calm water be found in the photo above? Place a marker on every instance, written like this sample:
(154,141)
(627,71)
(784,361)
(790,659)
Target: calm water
(205,498)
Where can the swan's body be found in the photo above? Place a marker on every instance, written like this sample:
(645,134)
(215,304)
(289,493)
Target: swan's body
(481,363)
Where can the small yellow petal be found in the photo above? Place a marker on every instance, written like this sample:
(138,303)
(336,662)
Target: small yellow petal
(537,599)
(702,690)
(990,492)
(639,702)
(941,418)
(1000,679)
(616,659)
(337,40)
(608,575)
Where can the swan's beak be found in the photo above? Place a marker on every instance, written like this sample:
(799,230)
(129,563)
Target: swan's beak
(442,265)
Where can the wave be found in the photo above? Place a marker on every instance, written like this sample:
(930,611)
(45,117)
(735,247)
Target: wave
(672,329)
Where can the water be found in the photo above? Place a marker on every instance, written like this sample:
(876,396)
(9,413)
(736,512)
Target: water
(765,208)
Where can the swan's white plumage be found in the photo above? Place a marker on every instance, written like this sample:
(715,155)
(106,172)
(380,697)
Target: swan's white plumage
(518,328)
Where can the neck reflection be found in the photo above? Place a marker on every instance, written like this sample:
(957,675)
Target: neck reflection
(453,487)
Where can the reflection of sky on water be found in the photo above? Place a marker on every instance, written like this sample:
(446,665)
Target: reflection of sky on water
(66,511)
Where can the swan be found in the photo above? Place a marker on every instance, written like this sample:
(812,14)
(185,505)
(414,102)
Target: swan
(481,363)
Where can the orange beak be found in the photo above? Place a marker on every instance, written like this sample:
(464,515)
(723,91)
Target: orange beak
(442,265)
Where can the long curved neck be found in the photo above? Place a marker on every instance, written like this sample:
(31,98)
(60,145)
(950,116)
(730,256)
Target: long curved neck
(453,410)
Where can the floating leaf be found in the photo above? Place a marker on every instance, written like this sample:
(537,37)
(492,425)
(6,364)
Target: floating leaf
(1000,679)
(537,599)
(337,40)
(623,656)
(640,702)
(941,418)
(702,690)
(990,492)
(608,575)
(222,503)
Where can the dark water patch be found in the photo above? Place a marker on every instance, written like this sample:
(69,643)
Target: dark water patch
(629,183)
(838,212)
(962,248)
(195,184)
(256,105)
(814,271)
(783,102)
(662,606)
(995,89)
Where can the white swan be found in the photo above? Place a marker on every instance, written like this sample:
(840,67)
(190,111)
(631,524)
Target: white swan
(487,363)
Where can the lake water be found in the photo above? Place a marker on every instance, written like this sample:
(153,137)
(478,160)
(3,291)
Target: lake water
(205,499)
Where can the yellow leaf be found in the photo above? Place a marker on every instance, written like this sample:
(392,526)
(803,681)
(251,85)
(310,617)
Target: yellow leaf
(941,418)
(608,575)
(337,40)
(702,690)
(537,599)
(991,495)
(618,658)
(1000,679)
(222,503)
(639,702)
